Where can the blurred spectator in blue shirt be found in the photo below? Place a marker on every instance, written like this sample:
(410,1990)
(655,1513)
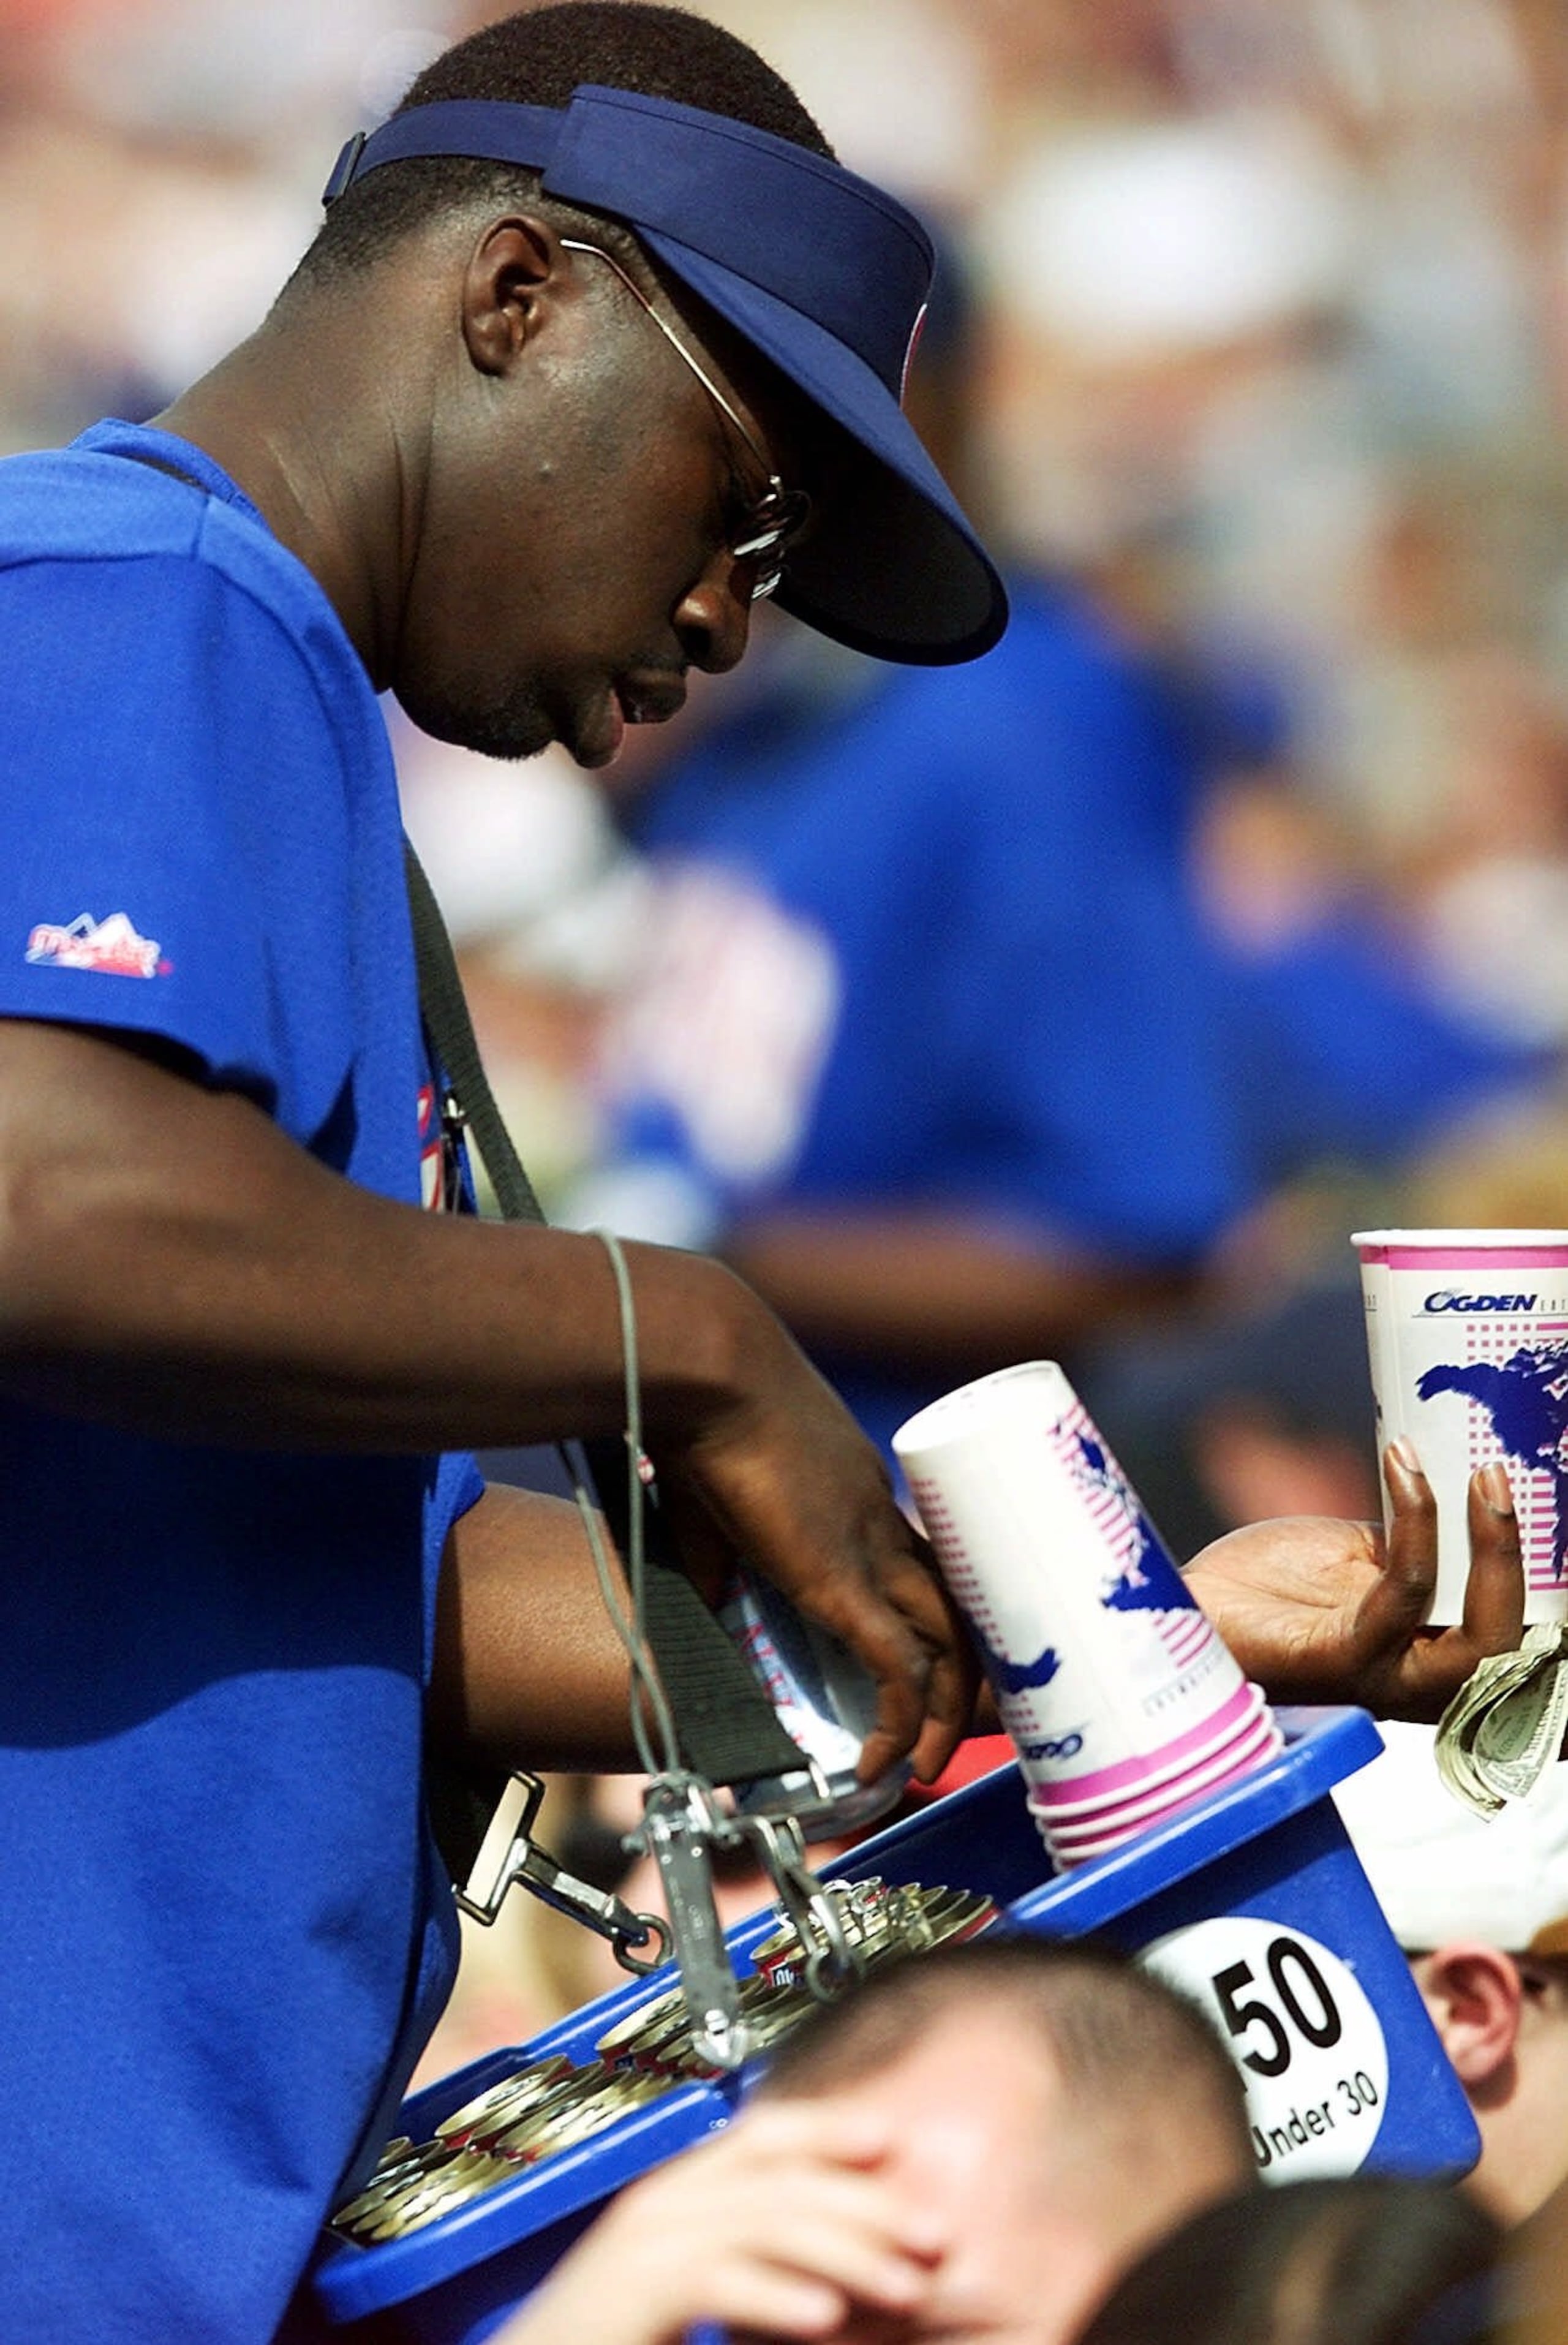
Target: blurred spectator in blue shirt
(931,1035)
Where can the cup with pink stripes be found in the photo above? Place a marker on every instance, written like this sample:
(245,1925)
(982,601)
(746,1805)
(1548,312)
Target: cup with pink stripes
(1467,1337)
(1120,1698)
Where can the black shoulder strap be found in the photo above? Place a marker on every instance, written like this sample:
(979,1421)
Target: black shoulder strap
(727,1729)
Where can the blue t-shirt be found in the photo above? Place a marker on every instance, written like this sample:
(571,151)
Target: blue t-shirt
(1024,1013)
(225,1933)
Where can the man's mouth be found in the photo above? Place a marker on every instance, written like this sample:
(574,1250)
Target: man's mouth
(649,700)
(631,700)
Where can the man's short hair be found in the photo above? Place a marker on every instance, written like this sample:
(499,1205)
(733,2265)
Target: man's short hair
(1131,2051)
(538,57)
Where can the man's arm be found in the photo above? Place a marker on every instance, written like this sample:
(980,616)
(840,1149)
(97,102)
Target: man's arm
(950,1293)
(171,1261)
(529,1672)
(784,2227)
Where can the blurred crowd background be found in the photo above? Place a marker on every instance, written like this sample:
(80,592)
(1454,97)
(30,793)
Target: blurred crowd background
(1081,1003)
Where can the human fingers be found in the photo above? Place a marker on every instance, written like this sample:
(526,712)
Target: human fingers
(821,1570)
(1400,1599)
(833,2128)
(793,2212)
(1493,1615)
(818,2260)
(675,2248)
(903,1576)
(909,1679)
(917,1587)
(913,1587)
(851,1563)
(779,2226)
(791,1485)
(1425,1674)
(1437,1663)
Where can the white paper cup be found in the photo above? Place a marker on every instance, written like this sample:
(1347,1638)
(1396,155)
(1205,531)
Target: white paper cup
(1091,1836)
(1103,1669)
(1055,1805)
(1064,1855)
(1467,1339)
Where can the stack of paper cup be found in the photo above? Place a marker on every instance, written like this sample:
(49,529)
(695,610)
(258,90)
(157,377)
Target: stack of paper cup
(1467,1336)
(1122,1701)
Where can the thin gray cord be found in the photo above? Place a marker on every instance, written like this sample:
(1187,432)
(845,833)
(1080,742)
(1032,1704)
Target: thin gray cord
(648,1696)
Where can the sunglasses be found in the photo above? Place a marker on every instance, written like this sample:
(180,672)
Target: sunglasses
(773,521)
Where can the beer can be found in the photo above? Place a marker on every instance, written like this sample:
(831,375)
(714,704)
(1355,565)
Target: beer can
(501,2101)
(826,1702)
(579,2119)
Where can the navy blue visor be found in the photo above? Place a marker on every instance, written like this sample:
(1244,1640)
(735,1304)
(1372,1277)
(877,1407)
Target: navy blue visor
(822,272)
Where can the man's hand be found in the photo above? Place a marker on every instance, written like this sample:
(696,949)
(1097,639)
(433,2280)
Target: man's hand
(781,2228)
(1319,1610)
(787,1481)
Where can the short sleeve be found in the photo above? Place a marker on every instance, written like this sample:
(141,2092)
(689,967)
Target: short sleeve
(175,813)
(455,1484)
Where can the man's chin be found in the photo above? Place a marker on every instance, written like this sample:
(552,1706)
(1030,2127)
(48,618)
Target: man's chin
(517,730)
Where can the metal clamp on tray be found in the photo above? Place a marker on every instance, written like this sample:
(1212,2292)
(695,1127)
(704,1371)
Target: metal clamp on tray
(509,1852)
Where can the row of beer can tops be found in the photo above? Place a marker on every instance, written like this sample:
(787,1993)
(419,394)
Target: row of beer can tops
(550,2104)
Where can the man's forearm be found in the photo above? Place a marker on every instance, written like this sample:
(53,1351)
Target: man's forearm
(171,1261)
(950,1292)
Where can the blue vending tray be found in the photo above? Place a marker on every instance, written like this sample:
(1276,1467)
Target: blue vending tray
(1252,1899)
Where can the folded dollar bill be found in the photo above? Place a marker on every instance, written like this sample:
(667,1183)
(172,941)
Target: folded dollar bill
(1504,1727)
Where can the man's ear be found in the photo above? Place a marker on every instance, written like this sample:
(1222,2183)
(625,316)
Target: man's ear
(511,272)
(1475,1995)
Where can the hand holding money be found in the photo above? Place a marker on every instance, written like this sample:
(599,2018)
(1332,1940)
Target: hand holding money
(1505,1726)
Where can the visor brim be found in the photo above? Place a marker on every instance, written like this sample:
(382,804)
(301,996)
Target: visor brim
(893,568)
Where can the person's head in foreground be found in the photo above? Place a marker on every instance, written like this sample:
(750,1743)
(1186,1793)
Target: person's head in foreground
(1059,2106)
(596,345)
(1355,2259)
(972,2145)
(1481,1906)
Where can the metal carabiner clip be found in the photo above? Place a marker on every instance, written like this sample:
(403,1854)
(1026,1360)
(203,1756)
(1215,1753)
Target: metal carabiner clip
(510,1853)
(831,1959)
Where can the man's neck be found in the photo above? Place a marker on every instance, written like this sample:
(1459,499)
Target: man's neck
(302,453)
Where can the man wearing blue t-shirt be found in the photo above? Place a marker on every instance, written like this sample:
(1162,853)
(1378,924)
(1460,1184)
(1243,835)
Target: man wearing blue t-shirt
(490,455)
(597,345)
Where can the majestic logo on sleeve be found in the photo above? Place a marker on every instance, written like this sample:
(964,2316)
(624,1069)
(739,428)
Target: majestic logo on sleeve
(111,946)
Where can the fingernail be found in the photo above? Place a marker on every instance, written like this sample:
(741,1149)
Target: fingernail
(1496,1489)
(1403,1452)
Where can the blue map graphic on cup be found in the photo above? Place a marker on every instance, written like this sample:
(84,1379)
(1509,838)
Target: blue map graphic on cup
(1526,1403)
(1147,1580)
(1016,1677)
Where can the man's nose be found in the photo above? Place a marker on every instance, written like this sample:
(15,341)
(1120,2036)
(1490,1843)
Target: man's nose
(713,617)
